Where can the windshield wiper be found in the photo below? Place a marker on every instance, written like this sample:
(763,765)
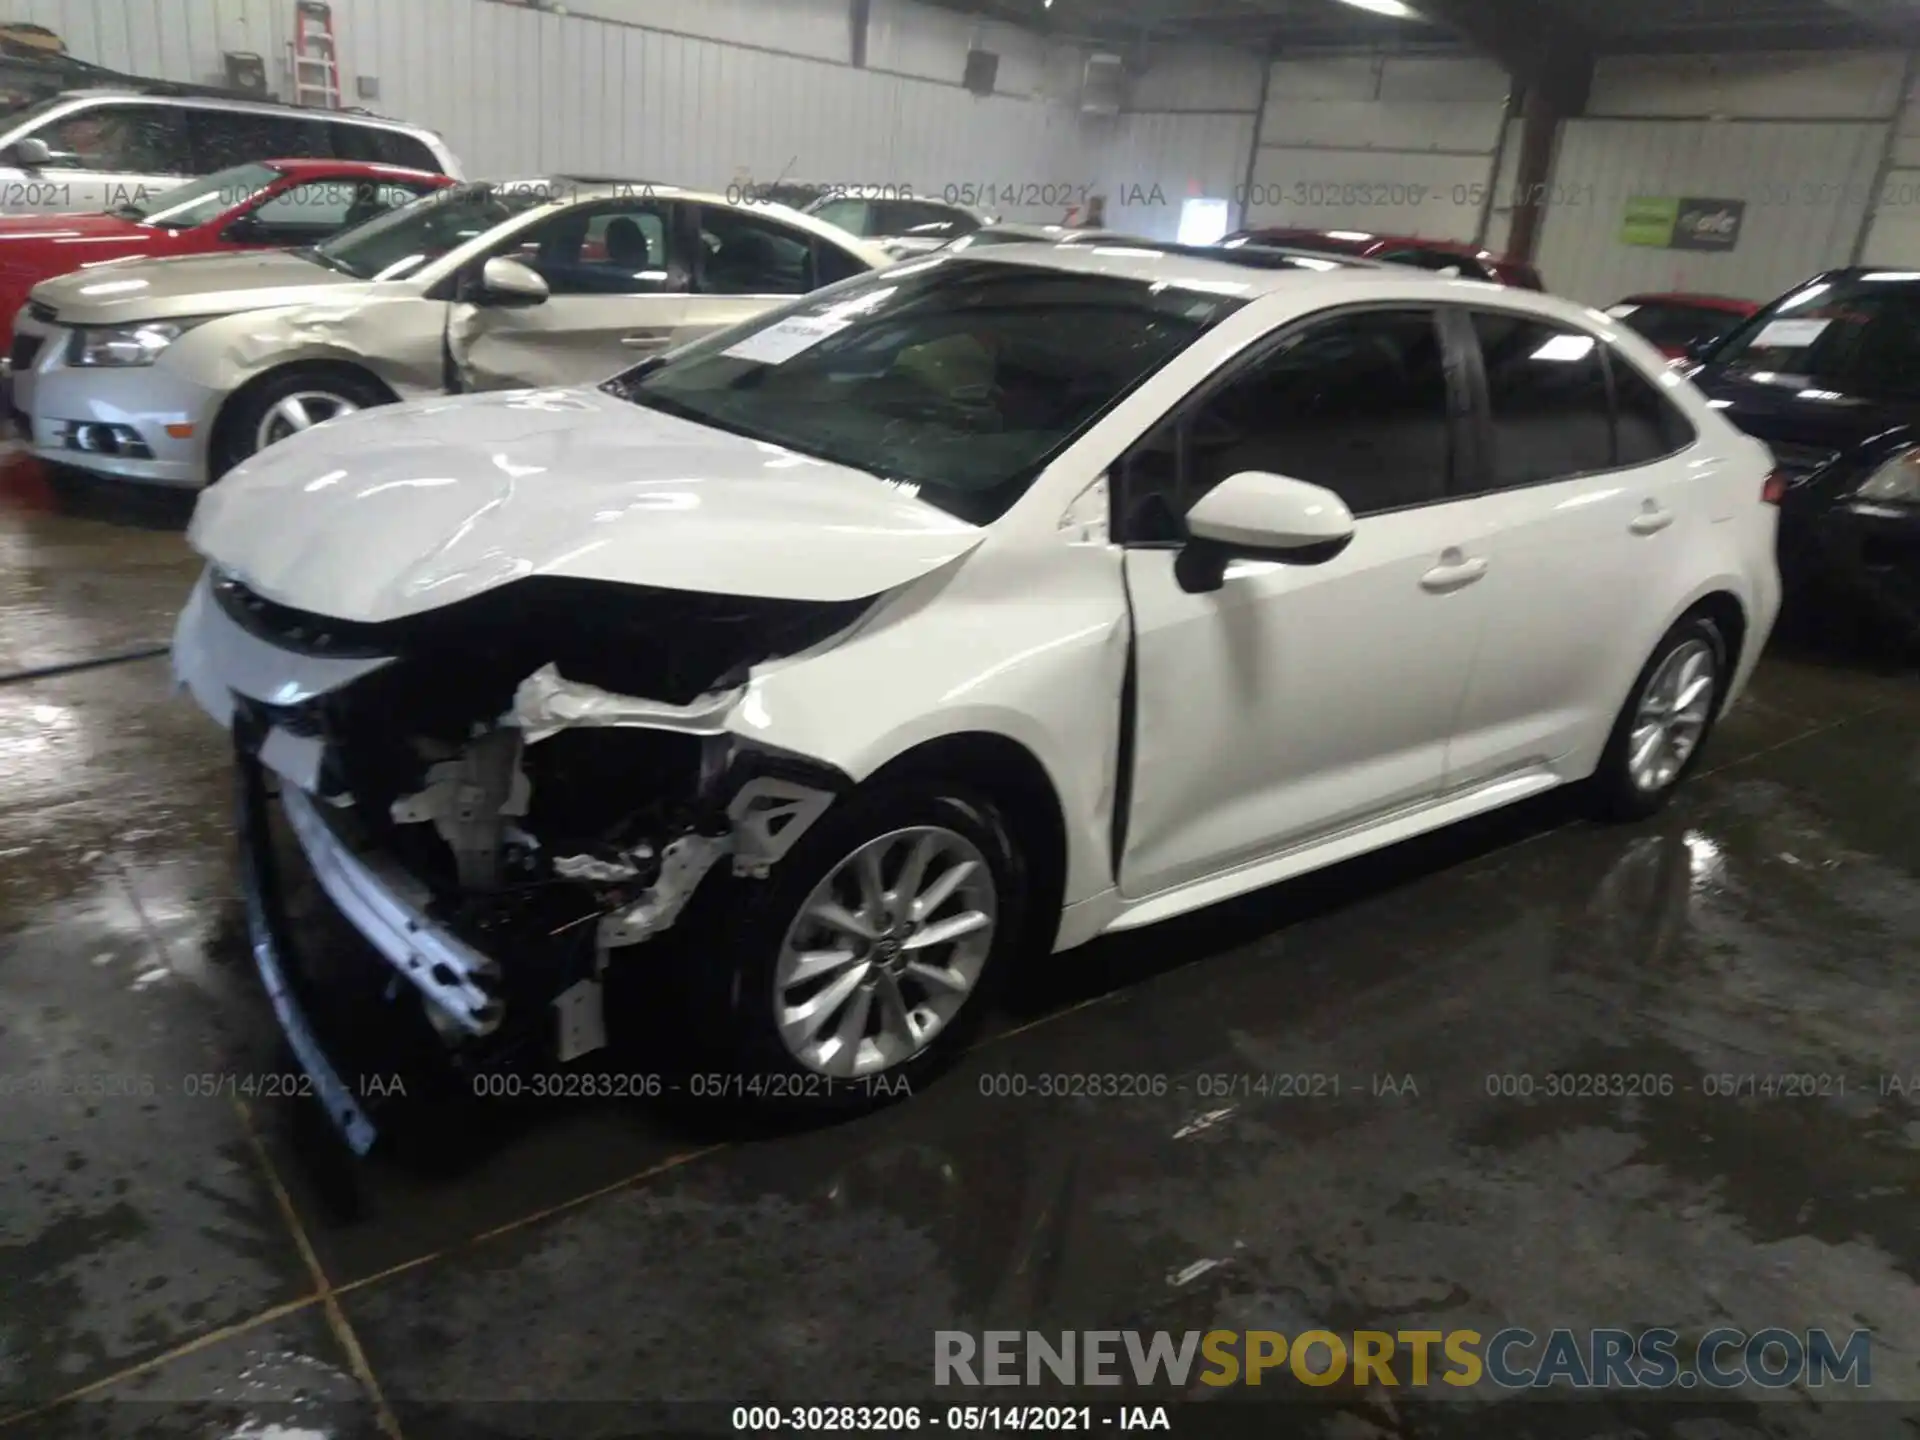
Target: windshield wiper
(127,212)
(324,260)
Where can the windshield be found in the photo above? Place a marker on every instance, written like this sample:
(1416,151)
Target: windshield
(957,379)
(195,203)
(395,245)
(1855,336)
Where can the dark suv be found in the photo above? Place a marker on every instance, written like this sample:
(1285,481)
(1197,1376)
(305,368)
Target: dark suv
(1828,375)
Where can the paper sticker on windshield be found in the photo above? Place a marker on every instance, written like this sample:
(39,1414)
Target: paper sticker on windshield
(1790,334)
(778,343)
(1620,312)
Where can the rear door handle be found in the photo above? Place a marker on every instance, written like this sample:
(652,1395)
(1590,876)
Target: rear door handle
(646,339)
(1651,520)
(1452,573)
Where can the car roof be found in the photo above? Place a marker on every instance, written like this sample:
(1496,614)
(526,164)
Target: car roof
(1364,241)
(587,190)
(1255,271)
(190,95)
(371,169)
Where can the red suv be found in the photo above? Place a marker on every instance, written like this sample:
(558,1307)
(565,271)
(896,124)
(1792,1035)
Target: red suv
(248,207)
(1439,255)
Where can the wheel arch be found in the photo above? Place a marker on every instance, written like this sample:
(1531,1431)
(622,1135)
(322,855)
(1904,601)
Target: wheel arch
(324,364)
(1013,777)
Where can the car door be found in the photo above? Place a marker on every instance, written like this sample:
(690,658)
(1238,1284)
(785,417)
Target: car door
(617,278)
(1297,701)
(746,261)
(109,154)
(1585,490)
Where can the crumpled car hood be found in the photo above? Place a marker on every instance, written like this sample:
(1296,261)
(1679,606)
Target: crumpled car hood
(408,508)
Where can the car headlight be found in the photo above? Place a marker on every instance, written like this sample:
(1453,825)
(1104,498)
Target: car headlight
(124,344)
(1897,481)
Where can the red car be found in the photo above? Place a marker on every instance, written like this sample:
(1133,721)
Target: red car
(249,207)
(1440,255)
(1677,325)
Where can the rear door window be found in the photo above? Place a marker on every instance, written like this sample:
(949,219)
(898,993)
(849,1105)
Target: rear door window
(235,137)
(1547,398)
(380,145)
(747,253)
(1647,425)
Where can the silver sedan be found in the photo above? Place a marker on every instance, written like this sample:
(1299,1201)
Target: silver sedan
(174,371)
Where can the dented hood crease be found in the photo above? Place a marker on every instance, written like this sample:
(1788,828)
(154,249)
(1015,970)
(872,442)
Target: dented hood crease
(409,508)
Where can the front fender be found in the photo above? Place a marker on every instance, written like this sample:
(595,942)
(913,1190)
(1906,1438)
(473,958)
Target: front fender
(397,340)
(1034,652)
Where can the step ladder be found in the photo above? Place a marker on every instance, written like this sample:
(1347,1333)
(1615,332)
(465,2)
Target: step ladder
(316,61)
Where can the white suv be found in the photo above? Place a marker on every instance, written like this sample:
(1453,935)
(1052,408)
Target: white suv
(100,149)
(840,662)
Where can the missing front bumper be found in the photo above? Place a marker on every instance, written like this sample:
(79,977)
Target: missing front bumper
(286,991)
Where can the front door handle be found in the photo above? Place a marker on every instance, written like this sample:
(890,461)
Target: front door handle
(646,339)
(1652,519)
(1452,573)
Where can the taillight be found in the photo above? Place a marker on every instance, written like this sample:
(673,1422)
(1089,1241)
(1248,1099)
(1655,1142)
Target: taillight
(1775,488)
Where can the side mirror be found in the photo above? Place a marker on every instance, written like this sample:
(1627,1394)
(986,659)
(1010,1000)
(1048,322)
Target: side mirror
(508,282)
(31,153)
(1255,515)
(247,230)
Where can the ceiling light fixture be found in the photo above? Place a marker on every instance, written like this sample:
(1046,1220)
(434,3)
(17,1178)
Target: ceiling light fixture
(1398,9)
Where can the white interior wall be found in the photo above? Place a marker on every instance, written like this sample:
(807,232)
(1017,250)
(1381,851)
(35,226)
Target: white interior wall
(1396,144)
(728,90)
(1800,138)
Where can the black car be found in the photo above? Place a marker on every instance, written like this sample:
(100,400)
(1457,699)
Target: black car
(1828,375)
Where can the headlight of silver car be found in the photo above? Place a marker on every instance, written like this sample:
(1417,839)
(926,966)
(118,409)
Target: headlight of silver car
(123,345)
(1897,481)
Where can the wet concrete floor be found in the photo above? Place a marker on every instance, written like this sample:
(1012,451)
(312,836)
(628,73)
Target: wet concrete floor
(168,1264)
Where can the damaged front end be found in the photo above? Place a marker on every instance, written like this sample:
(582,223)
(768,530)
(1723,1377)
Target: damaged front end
(506,796)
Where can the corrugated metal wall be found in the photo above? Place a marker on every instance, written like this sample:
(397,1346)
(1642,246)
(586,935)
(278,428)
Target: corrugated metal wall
(1894,238)
(619,86)
(1798,138)
(1396,144)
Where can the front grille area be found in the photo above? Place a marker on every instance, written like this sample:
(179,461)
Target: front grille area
(296,630)
(25,350)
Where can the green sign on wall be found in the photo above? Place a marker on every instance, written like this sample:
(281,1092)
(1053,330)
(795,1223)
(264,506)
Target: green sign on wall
(1683,223)
(1650,220)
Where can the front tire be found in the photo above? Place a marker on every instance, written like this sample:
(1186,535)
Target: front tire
(1670,712)
(288,402)
(864,963)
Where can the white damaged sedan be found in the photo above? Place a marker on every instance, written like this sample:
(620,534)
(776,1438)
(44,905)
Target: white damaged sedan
(844,661)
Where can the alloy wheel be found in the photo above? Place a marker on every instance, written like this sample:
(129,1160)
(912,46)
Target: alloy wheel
(885,951)
(1672,716)
(301,411)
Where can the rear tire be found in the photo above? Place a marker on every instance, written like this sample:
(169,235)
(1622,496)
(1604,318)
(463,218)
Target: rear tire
(272,408)
(862,1010)
(1669,714)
